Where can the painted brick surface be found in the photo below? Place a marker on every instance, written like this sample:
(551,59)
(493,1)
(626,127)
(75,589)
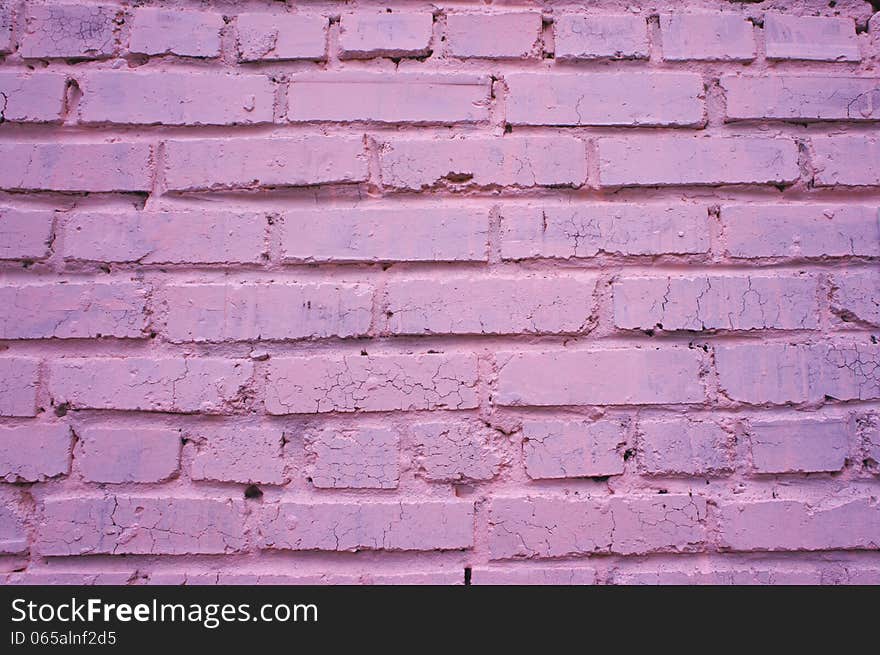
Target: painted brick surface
(544,292)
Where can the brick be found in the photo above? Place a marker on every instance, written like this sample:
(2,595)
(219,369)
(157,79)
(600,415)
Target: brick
(206,164)
(799,524)
(368,34)
(397,98)
(681,447)
(6,22)
(587,36)
(817,38)
(306,385)
(239,454)
(798,446)
(140,525)
(274,37)
(359,458)
(245,312)
(512,35)
(416,164)
(802,98)
(182,33)
(137,383)
(573,449)
(586,230)
(630,99)
(779,373)
(856,296)
(539,305)
(846,161)
(871,440)
(31,453)
(260,577)
(361,234)
(800,230)
(18,386)
(708,37)
(91,578)
(13,531)
(69,31)
(25,234)
(580,377)
(127,454)
(675,160)
(719,575)
(73,311)
(172,237)
(165,98)
(717,302)
(341,526)
(545,575)
(450,451)
(77,166)
(538,527)
(36,98)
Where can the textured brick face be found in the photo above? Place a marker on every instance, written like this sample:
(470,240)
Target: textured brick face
(552,292)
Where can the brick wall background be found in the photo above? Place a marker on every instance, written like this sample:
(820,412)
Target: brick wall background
(385,292)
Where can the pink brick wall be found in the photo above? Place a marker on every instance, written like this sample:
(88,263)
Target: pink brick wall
(550,292)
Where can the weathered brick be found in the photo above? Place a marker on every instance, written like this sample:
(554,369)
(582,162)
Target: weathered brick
(18,386)
(586,230)
(362,234)
(69,31)
(456,451)
(779,373)
(856,296)
(340,526)
(541,305)
(800,230)
(368,34)
(715,36)
(25,233)
(272,37)
(573,449)
(70,310)
(357,458)
(580,377)
(6,21)
(13,531)
(30,453)
(54,578)
(682,446)
(719,574)
(181,384)
(183,33)
(244,312)
(239,454)
(789,446)
(415,164)
(140,525)
(35,98)
(306,385)
(508,35)
(398,98)
(588,36)
(205,164)
(127,454)
(76,166)
(545,575)
(168,237)
(717,302)
(846,161)
(676,160)
(802,98)
(630,99)
(819,38)
(825,524)
(166,98)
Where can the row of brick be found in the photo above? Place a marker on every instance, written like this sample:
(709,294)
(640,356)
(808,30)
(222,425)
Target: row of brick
(405,233)
(750,373)
(564,99)
(535,304)
(96,31)
(519,526)
(419,164)
(454,451)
